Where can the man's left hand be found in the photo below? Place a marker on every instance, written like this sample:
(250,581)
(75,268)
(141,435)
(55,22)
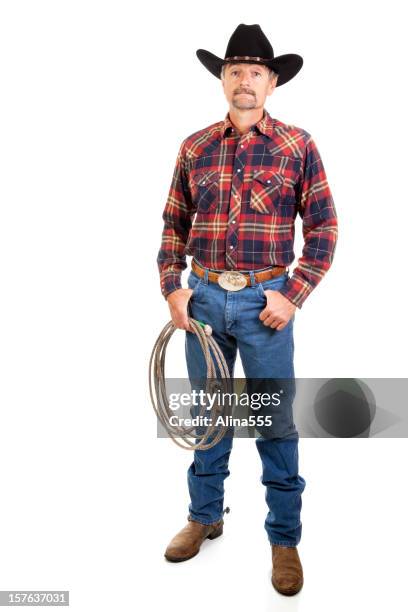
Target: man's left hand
(278,311)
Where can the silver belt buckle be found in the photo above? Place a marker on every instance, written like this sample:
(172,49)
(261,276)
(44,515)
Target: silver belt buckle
(232,280)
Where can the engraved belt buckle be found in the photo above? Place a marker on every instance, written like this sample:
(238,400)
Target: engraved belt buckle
(232,280)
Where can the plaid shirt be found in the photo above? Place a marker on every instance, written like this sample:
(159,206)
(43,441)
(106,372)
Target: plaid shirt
(245,192)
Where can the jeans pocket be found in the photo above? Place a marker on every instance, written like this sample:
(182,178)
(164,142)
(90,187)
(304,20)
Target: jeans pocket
(194,282)
(273,284)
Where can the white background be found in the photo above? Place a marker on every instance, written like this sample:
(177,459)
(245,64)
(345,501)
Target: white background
(96,98)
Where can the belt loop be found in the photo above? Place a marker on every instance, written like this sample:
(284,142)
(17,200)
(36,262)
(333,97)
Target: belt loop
(253,281)
(205,279)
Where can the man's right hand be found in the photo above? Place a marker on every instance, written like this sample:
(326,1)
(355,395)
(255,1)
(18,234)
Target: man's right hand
(178,301)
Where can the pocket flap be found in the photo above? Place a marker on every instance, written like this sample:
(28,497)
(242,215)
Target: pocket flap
(205,177)
(268,177)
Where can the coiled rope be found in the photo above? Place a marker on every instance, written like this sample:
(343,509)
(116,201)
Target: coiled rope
(158,394)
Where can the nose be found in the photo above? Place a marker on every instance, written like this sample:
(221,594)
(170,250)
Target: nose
(245,82)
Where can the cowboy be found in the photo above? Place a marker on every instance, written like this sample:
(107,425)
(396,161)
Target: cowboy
(237,188)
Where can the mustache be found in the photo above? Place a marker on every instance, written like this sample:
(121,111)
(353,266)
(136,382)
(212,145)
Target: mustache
(245,92)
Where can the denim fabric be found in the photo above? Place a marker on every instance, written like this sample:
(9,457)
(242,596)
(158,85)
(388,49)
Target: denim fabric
(264,352)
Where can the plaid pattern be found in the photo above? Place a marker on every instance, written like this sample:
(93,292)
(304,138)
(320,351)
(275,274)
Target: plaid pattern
(233,201)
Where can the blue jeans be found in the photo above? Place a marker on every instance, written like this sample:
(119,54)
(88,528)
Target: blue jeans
(264,352)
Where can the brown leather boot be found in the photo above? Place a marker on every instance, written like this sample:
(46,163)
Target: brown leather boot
(186,543)
(287,572)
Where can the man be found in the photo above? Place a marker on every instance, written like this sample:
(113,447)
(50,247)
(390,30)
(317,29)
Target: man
(245,179)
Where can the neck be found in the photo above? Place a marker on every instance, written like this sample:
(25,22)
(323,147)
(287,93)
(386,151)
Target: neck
(244,119)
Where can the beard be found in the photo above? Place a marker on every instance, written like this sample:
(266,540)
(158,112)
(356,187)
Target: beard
(243,102)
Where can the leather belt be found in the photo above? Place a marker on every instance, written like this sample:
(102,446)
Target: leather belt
(232,280)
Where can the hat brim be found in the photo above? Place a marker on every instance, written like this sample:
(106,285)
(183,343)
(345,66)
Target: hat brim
(287,66)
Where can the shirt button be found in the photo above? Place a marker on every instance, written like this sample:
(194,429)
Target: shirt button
(234,221)
(242,146)
(268,181)
(231,247)
(239,170)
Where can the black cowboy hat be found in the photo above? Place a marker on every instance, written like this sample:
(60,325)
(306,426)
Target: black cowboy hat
(248,44)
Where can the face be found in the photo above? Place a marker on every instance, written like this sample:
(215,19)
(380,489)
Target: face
(246,86)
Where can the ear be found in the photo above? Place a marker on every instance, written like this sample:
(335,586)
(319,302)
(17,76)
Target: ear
(272,85)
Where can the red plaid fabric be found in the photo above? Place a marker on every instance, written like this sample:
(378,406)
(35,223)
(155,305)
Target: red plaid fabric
(233,201)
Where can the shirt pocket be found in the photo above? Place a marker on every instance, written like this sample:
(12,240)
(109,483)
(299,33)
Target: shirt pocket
(266,191)
(204,185)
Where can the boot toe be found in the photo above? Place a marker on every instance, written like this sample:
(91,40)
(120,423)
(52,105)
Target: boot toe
(287,584)
(179,552)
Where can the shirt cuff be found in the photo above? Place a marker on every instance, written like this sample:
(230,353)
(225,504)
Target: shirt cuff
(296,290)
(169,283)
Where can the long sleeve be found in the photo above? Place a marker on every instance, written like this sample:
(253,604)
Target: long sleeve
(171,259)
(318,213)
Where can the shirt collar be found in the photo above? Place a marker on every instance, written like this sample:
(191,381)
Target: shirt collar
(264,125)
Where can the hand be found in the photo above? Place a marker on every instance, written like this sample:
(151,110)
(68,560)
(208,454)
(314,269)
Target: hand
(177,301)
(278,311)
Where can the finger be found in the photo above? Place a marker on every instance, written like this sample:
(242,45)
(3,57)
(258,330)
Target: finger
(265,313)
(272,322)
(281,326)
(181,323)
(268,320)
(187,325)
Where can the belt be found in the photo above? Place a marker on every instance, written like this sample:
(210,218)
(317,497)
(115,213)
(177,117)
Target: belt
(232,280)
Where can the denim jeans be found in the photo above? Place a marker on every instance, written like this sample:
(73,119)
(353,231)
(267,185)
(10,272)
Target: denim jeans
(264,352)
